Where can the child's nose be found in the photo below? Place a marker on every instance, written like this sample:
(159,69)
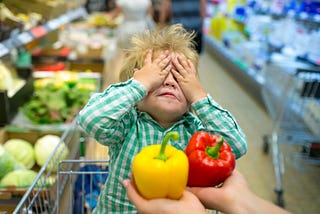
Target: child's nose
(170,80)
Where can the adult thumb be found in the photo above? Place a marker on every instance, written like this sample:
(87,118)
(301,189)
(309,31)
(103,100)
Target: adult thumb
(132,193)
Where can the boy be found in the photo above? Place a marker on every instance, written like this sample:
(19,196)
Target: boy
(159,89)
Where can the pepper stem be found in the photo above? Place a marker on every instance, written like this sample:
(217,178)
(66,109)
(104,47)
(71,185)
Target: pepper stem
(213,151)
(167,137)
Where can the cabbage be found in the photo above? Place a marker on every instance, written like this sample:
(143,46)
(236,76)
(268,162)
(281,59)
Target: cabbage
(45,146)
(19,178)
(7,162)
(46,181)
(22,151)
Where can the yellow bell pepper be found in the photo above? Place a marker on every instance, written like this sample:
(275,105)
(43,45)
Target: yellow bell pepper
(161,171)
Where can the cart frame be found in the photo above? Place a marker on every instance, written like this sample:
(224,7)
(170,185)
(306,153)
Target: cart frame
(286,97)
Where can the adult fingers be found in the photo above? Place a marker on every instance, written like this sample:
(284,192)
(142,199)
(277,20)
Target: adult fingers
(133,195)
(236,178)
(215,196)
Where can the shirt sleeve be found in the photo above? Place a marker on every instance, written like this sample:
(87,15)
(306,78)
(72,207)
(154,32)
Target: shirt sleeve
(220,121)
(109,115)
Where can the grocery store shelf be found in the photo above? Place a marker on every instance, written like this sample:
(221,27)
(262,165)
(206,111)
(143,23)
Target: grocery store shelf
(249,79)
(39,31)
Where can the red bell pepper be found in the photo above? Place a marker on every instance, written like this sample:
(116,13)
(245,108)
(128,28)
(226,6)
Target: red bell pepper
(211,160)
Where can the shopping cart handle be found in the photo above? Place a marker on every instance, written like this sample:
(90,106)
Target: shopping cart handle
(300,71)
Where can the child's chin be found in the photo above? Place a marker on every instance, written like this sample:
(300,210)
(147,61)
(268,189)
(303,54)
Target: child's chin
(173,109)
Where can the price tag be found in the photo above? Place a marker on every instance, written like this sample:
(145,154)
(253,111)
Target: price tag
(3,50)
(53,24)
(25,37)
(38,31)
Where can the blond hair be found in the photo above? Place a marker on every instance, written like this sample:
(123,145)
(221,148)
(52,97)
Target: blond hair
(174,38)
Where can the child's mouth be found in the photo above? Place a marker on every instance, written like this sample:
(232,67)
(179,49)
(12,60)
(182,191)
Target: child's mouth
(168,94)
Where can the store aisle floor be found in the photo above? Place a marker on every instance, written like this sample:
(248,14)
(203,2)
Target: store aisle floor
(301,188)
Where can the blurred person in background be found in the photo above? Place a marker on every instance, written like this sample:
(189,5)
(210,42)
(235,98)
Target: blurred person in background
(134,17)
(137,17)
(99,5)
(189,13)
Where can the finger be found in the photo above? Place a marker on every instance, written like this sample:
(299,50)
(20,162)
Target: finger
(133,195)
(161,57)
(168,68)
(236,178)
(178,65)
(148,58)
(183,62)
(165,62)
(191,66)
(212,202)
(176,74)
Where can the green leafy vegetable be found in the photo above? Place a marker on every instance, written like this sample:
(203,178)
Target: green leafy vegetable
(52,104)
(19,178)
(22,151)
(44,148)
(7,162)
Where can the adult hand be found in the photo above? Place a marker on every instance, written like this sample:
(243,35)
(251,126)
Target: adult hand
(188,203)
(235,197)
(153,72)
(223,198)
(186,76)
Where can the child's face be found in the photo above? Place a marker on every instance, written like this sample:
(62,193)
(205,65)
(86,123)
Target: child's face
(166,103)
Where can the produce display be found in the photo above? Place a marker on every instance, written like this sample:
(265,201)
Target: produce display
(11,21)
(20,160)
(45,146)
(104,20)
(7,162)
(19,178)
(161,171)
(211,160)
(8,81)
(22,151)
(58,98)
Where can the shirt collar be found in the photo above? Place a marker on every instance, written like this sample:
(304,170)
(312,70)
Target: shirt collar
(147,117)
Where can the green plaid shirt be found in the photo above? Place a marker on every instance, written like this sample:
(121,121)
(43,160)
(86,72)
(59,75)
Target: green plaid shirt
(112,119)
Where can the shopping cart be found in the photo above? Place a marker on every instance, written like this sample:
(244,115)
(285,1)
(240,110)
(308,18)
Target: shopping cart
(42,195)
(79,189)
(291,94)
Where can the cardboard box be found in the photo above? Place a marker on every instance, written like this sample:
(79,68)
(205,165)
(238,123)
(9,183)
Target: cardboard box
(11,196)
